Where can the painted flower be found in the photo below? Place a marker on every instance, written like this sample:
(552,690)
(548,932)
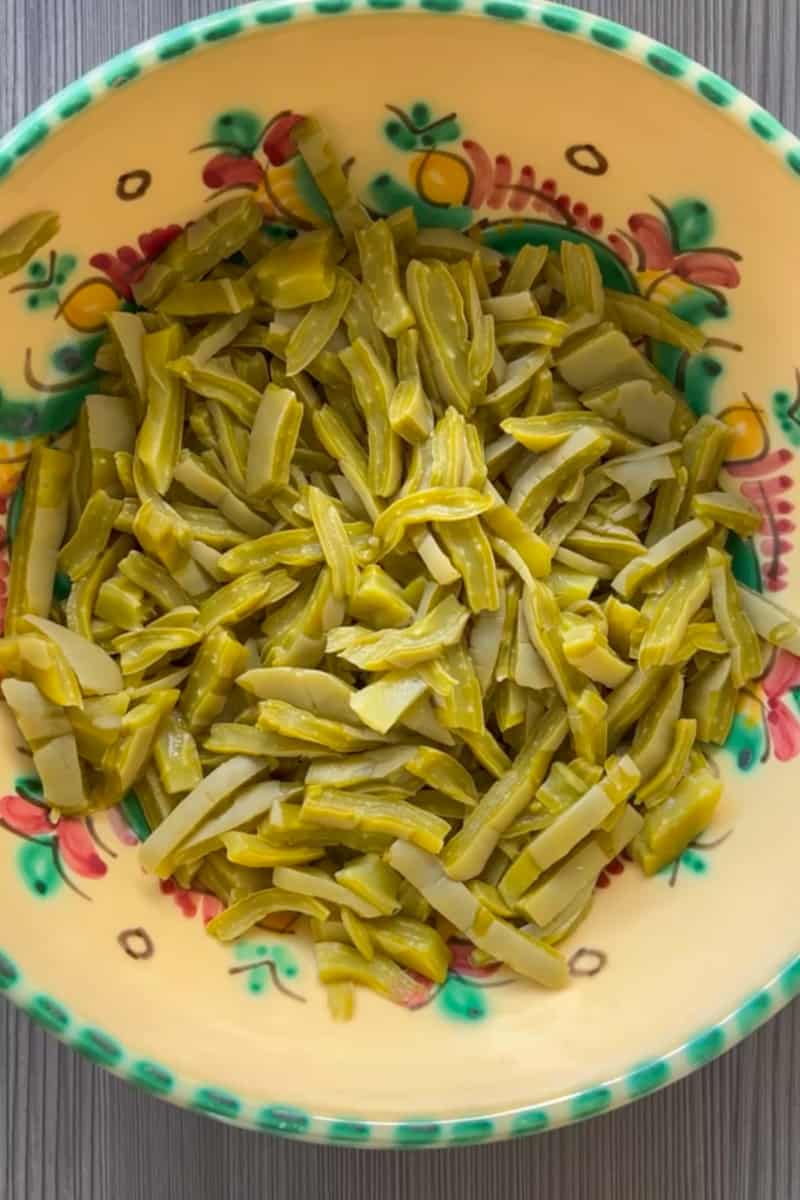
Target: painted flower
(610,871)
(191,902)
(765,481)
(782,678)
(129,264)
(674,243)
(121,826)
(51,850)
(461,961)
(245,146)
(768,715)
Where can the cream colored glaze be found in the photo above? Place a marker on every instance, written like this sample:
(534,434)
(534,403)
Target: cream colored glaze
(679,958)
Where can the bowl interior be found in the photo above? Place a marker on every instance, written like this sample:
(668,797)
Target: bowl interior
(514,134)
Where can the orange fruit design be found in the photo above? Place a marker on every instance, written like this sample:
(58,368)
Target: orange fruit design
(749,436)
(13,460)
(440,177)
(86,306)
(280,199)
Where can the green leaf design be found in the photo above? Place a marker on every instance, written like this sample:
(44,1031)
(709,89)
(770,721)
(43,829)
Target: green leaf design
(693,222)
(238,129)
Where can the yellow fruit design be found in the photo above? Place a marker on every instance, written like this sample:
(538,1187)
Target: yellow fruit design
(13,458)
(749,431)
(85,308)
(440,177)
(280,198)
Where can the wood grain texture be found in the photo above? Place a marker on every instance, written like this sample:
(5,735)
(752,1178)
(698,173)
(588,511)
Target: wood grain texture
(68,1131)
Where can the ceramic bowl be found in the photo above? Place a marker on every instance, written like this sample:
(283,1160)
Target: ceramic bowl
(521,122)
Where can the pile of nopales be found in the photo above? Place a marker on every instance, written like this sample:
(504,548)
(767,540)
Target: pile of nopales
(398,592)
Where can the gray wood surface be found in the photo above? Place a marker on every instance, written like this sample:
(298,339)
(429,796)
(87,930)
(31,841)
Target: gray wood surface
(68,1131)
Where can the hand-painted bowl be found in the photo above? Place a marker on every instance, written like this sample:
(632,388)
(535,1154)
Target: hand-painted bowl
(520,122)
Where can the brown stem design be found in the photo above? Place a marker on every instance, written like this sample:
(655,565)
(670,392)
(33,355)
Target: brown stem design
(54,850)
(794,408)
(276,979)
(38,284)
(53,388)
(773,533)
(98,841)
(415,129)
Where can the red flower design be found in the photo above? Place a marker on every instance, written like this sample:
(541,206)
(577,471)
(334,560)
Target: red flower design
(128,265)
(279,144)
(123,831)
(24,817)
(652,238)
(783,725)
(77,849)
(191,902)
(244,166)
(461,961)
(615,867)
(69,835)
(232,170)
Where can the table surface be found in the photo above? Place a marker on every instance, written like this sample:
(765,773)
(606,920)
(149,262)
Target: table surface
(69,1131)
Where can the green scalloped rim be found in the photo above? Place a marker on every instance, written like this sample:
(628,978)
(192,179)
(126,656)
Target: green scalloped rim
(195,35)
(416,1131)
(412,1133)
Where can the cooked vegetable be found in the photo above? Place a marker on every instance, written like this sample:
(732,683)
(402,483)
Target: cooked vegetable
(412,943)
(390,575)
(466,854)
(677,820)
(644,318)
(216,787)
(733,620)
(90,538)
(660,555)
(455,902)
(439,310)
(337,964)
(39,535)
(440,504)
(569,827)
(312,881)
(770,620)
(159,440)
(378,257)
(272,442)
(374,385)
(674,609)
(336,546)
(176,756)
(199,248)
(329,177)
(395,818)
(251,910)
(730,511)
(410,413)
(20,241)
(418,643)
(95,670)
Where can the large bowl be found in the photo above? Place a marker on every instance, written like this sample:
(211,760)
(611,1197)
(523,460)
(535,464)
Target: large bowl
(521,122)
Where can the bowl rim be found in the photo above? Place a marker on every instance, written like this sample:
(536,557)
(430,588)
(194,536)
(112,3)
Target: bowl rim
(641,1078)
